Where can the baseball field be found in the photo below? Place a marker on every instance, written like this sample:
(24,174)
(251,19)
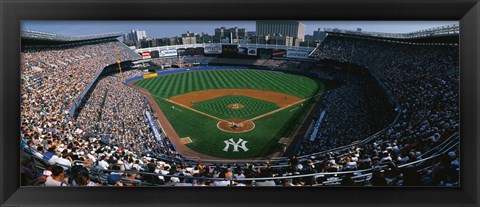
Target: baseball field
(232,114)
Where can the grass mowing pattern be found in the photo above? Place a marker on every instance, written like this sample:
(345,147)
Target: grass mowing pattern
(180,83)
(218,107)
(209,140)
(203,131)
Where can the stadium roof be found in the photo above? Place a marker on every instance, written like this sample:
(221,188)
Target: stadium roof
(448,34)
(30,37)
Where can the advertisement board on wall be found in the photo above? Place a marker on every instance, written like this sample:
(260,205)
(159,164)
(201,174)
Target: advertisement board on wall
(146,55)
(252,51)
(190,51)
(279,53)
(297,54)
(151,75)
(229,49)
(242,50)
(264,53)
(213,49)
(155,54)
(199,51)
(167,53)
(181,52)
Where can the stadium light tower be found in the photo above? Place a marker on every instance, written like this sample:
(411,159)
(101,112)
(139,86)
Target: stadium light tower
(120,68)
(118,62)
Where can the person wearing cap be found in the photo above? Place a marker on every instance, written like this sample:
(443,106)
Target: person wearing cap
(57,178)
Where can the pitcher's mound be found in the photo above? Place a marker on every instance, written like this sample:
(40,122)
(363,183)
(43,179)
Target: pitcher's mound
(236,106)
(235,125)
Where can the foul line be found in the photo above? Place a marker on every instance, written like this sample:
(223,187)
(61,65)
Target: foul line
(194,110)
(205,114)
(219,119)
(274,111)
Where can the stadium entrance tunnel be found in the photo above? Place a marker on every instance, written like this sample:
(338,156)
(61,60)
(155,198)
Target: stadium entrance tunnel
(235,125)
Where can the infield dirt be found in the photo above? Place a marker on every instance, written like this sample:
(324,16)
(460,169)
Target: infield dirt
(188,99)
(281,99)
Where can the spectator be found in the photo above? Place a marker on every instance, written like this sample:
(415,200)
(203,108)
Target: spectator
(57,178)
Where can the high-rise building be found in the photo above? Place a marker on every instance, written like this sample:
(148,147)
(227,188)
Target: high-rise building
(219,33)
(141,34)
(293,29)
(232,34)
(189,38)
(135,36)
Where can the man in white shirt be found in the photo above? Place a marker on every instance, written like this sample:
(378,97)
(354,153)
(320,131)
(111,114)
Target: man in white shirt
(103,164)
(57,177)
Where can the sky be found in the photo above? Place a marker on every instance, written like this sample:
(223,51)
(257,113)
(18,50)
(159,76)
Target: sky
(159,29)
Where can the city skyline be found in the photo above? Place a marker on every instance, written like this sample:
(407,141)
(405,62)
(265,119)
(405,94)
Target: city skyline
(162,29)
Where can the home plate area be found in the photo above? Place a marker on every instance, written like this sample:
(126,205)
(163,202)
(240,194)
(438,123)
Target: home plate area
(235,125)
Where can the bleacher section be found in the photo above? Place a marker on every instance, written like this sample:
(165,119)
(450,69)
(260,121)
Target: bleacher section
(350,144)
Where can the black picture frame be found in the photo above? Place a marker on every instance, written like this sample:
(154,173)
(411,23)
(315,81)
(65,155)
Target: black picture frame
(13,11)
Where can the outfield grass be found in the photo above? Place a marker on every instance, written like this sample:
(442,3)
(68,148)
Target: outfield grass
(180,83)
(206,137)
(252,107)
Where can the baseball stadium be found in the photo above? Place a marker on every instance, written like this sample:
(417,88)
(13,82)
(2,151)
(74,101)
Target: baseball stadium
(356,109)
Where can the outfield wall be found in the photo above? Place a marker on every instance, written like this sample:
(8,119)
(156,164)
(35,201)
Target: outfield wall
(207,68)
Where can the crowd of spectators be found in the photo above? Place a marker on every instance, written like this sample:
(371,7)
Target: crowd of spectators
(51,80)
(117,111)
(353,111)
(285,64)
(423,79)
(166,61)
(182,61)
(123,169)
(189,61)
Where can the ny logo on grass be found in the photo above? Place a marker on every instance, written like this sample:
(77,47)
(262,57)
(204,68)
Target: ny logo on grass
(240,144)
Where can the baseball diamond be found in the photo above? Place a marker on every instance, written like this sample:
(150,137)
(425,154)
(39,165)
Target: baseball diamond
(223,105)
(341,108)
(219,107)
